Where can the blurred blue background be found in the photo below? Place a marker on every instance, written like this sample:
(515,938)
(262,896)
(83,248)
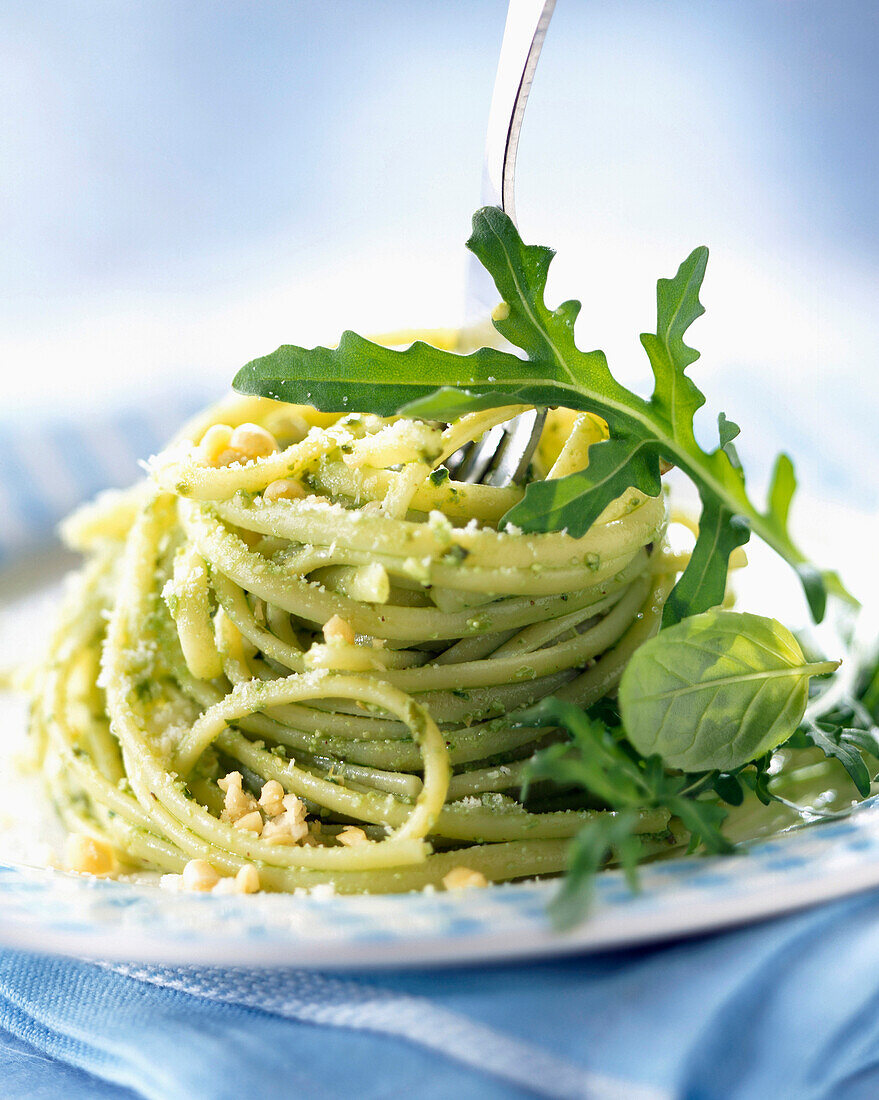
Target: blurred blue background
(186,186)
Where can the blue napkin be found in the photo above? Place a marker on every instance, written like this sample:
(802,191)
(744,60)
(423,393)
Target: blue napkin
(784,1009)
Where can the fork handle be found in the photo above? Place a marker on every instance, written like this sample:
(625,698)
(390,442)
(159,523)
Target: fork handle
(525,30)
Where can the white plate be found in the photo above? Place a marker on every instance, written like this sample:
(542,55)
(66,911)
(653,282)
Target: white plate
(56,912)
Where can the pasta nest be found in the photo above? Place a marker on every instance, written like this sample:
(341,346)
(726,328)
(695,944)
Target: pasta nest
(311,604)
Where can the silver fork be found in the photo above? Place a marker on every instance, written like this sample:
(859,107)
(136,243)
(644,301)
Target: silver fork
(502,455)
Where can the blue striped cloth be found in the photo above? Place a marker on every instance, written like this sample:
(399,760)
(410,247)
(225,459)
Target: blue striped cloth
(788,1009)
(785,1009)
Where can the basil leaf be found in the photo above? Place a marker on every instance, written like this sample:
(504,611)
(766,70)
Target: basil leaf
(716,691)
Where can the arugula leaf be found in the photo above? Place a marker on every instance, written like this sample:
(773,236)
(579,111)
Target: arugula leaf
(728,787)
(848,745)
(835,744)
(703,583)
(610,462)
(703,820)
(782,487)
(359,375)
(599,764)
(677,307)
(728,430)
(759,779)
(844,727)
(866,741)
(869,693)
(425,382)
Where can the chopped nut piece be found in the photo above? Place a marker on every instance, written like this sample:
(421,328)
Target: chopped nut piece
(199,876)
(295,808)
(462,878)
(252,441)
(88,855)
(284,488)
(272,833)
(290,427)
(252,822)
(214,443)
(247,879)
(351,836)
(228,457)
(337,630)
(284,830)
(226,886)
(272,798)
(237,802)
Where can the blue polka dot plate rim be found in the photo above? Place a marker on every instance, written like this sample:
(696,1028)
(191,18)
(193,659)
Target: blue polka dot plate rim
(60,913)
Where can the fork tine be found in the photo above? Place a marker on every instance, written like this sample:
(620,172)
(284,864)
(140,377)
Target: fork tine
(453,462)
(517,449)
(503,454)
(497,459)
(479,459)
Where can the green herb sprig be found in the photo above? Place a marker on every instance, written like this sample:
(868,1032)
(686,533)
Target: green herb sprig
(701,709)
(598,760)
(425,382)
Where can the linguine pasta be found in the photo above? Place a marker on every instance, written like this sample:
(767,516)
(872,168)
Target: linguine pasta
(301,647)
